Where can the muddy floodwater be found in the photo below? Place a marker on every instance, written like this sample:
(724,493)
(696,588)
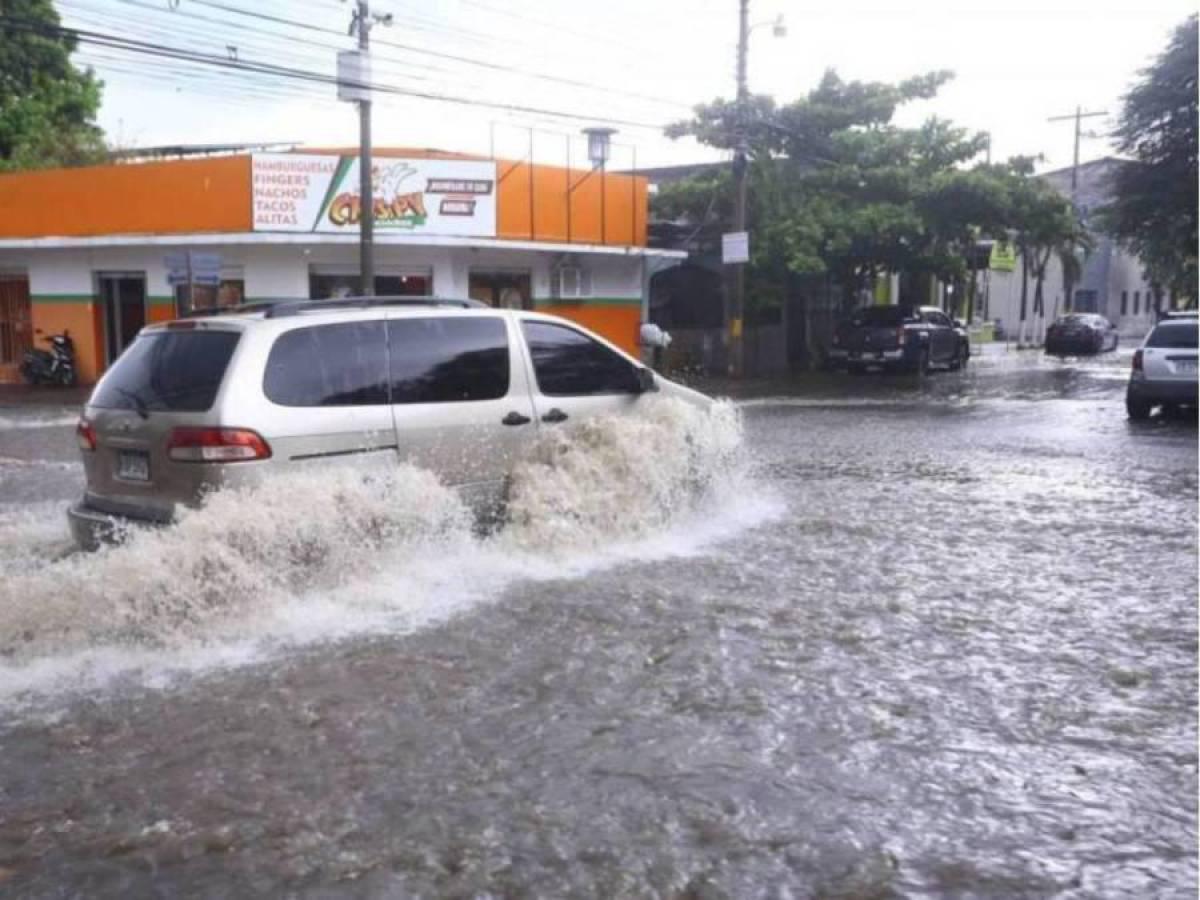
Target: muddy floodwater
(860,638)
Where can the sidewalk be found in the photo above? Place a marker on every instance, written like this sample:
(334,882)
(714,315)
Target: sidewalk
(43,395)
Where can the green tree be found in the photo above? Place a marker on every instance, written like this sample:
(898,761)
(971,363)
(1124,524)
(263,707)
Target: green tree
(838,189)
(47,106)
(1156,200)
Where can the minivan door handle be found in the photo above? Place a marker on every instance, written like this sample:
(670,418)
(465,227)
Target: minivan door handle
(515,418)
(555,415)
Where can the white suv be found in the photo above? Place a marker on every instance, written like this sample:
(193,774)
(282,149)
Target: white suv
(451,385)
(1164,368)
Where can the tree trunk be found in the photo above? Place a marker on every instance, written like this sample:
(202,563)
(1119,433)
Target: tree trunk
(1024,298)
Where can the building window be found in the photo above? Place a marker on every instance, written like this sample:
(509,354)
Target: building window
(1137,302)
(1086,301)
(504,290)
(323,285)
(202,298)
(1124,303)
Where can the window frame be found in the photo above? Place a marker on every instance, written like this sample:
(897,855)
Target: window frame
(566,326)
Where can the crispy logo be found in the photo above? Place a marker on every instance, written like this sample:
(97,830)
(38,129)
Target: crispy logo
(393,208)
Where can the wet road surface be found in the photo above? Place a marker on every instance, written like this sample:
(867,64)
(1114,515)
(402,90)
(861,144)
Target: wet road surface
(953,653)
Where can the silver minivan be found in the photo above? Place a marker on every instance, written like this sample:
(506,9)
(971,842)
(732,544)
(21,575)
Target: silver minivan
(453,386)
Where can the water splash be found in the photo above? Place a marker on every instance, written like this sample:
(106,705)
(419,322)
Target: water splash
(318,554)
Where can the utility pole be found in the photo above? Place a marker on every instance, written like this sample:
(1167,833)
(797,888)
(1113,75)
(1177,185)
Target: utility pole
(366,214)
(736,315)
(1079,115)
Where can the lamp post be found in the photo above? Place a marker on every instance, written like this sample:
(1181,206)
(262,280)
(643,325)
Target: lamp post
(599,146)
(736,315)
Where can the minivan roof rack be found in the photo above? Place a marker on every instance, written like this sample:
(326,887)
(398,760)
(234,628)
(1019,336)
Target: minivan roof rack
(294,307)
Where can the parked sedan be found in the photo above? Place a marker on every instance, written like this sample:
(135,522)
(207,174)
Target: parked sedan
(1164,369)
(899,337)
(1080,334)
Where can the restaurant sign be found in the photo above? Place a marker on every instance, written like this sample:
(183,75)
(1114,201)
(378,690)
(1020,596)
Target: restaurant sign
(310,193)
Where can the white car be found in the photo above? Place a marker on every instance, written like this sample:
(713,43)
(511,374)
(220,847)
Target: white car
(1164,369)
(450,385)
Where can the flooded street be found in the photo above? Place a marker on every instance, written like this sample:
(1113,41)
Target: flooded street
(926,640)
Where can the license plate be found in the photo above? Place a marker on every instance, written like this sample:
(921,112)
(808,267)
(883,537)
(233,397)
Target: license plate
(133,465)
(1185,368)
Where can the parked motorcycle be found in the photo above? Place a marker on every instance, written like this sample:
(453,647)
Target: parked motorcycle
(53,366)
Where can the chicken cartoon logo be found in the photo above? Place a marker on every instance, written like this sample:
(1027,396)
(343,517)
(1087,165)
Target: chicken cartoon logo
(394,207)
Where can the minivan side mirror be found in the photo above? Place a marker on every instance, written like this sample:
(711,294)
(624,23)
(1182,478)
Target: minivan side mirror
(645,379)
(959,323)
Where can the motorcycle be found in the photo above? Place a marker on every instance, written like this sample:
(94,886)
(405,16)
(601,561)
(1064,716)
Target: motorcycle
(53,366)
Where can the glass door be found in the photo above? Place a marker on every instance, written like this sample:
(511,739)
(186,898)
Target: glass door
(123,301)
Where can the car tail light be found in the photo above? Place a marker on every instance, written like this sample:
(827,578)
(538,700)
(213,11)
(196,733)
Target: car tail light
(216,445)
(836,340)
(901,336)
(1137,360)
(85,433)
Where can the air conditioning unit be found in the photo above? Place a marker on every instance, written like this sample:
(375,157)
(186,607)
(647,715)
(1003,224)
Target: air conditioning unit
(572,282)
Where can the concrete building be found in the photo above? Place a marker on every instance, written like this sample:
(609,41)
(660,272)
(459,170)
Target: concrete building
(102,251)
(1112,282)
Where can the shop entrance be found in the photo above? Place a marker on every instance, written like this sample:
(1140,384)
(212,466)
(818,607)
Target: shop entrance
(123,304)
(504,290)
(16,333)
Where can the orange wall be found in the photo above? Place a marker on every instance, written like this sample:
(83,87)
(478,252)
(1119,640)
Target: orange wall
(82,319)
(145,198)
(213,195)
(566,205)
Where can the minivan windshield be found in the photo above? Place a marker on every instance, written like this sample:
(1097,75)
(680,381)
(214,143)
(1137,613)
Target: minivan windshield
(168,371)
(1174,335)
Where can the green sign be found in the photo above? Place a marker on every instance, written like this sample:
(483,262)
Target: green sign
(1003,257)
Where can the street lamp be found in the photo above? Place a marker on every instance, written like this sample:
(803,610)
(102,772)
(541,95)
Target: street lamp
(599,144)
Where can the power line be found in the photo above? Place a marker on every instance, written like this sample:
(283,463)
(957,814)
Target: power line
(133,46)
(466,60)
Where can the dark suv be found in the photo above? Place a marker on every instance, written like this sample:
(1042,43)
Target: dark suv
(913,338)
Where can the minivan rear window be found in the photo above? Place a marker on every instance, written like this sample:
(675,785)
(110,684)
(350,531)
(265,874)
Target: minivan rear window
(1179,336)
(168,371)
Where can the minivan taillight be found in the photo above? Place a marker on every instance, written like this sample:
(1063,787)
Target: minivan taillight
(1137,360)
(216,445)
(85,433)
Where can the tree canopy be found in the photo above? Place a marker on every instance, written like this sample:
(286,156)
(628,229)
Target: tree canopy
(838,188)
(47,106)
(1156,199)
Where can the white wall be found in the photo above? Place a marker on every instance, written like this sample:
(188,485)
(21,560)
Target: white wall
(281,271)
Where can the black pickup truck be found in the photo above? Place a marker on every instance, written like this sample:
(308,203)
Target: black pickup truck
(911,338)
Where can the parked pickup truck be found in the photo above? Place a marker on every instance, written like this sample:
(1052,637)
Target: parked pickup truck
(911,338)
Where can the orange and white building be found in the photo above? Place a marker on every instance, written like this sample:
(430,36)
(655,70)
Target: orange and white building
(102,251)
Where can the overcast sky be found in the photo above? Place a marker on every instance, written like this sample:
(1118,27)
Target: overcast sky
(642,62)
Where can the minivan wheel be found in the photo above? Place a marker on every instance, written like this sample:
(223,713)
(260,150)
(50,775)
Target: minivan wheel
(1138,409)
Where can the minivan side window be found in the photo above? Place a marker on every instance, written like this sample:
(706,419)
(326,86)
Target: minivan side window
(568,363)
(448,359)
(329,365)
